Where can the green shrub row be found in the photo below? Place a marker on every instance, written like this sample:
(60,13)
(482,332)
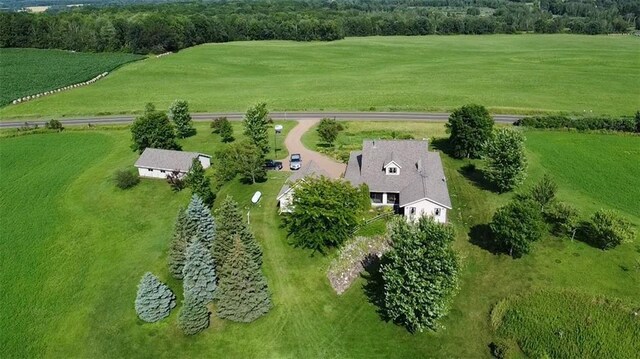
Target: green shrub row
(621,124)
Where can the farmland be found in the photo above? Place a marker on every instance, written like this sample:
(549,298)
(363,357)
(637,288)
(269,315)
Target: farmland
(92,242)
(25,72)
(508,74)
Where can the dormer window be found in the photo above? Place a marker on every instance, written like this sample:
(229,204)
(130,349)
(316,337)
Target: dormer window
(392,168)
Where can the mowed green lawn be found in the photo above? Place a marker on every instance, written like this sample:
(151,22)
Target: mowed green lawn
(26,72)
(74,248)
(507,73)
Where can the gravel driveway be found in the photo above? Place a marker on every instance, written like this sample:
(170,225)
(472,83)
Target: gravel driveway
(294,145)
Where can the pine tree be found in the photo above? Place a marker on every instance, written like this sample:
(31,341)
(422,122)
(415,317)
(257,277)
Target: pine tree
(179,112)
(179,244)
(194,316)
(199,276)
(200,223)
(154,300)
(231,223)
(243,293)
(199,183)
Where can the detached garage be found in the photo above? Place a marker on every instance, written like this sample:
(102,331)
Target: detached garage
(157,163)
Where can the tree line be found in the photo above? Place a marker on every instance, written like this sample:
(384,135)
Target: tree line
(158,28)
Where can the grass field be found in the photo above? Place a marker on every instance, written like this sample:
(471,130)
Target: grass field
(509,74)
(74,248)
(25,72)
(548,324)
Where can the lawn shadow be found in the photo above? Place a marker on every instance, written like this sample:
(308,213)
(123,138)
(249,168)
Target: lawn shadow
(443,145)
(477,178)
(481,236)
(374,285)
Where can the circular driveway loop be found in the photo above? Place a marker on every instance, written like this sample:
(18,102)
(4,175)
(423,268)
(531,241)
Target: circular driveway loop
(293,142)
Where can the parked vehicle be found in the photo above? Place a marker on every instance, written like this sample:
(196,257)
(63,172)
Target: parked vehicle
(273,165)
(295,161)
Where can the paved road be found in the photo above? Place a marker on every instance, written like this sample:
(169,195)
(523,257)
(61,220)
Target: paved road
(294,145)
(351,116)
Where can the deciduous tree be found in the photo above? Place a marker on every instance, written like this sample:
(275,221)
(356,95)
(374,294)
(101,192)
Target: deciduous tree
(506,159)
(471,127)
(328,130)
(324,213)
(153,129)
(516,225)
(154,300)
(241,158)
(608,229)
(199,275)
(200,183)
(544,191)
(179,113)
(256,126)
(563,219)
(420,273)
(243,293)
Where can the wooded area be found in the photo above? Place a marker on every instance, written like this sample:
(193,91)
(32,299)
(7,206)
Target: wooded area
(158,28)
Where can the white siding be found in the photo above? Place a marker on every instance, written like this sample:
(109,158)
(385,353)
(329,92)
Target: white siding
(426,208)
(154,173)
(285,202)
(205,161)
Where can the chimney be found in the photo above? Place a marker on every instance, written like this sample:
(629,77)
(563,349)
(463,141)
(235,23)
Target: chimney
(373,143)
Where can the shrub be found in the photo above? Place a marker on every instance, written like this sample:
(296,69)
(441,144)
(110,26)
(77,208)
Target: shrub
(176,182)
(608,229)
(501,349)
(54,125)
(622,124)
(126,179)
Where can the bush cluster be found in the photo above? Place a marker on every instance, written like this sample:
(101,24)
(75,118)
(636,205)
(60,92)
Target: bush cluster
(621,124)
(126,179)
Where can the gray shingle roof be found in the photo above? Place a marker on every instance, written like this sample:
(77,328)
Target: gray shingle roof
(167,160)
(311,169)
(421,175)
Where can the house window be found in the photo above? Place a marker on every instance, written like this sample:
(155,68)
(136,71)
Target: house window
(392,198)
(376,197)
(149,169)
(162,171)
(437,211)
(392,170)
(412,211)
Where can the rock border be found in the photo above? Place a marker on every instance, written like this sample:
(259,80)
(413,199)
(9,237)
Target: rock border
(65,88)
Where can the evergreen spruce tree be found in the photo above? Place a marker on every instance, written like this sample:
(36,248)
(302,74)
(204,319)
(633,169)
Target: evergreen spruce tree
(231,223)
(179,244)
(200,223)
(199,276)
(179,113)
(154,300)
(199,183)
(194,316)
(243,293)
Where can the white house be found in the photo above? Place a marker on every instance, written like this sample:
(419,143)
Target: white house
(403,174)
(285,197)
(157,163)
